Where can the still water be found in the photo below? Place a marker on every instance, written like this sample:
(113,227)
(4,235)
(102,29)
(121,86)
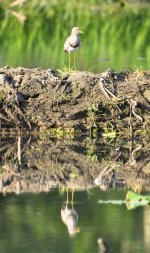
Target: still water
(32,223)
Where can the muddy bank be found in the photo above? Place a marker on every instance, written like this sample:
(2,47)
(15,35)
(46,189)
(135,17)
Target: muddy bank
(82,101)
(44,103)
(46,163)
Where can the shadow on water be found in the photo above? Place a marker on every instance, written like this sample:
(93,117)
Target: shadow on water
(115,36)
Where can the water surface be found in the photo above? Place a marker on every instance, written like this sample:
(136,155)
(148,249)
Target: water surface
(32,223)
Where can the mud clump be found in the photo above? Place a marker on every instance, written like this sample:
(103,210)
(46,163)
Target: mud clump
(43,99)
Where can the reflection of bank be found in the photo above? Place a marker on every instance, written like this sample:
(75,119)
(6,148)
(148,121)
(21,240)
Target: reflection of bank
(69,217)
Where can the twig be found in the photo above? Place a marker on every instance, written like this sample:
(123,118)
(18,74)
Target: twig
(3,148)
(5,167)
(132,159)
(110,93)
(19,150)
(133,104)
(107,91)
(101,85)
(2,117)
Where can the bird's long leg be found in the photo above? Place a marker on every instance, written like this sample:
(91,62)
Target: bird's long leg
(69,62)
(67,197)
(74,61)
(72,198)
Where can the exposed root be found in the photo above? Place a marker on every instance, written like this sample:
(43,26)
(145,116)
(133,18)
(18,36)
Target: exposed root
(132,160)
(107,93)
(133,104)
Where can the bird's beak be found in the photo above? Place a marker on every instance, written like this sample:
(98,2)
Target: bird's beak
(81,31)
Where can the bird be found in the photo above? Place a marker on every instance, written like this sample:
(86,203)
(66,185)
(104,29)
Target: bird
(103,246)
(69,217)
(72,43)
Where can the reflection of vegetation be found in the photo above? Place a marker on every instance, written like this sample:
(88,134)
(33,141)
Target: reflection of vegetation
(132,200)
(39,42)
(91,152)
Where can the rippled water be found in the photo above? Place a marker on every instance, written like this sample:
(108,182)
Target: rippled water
(32,223)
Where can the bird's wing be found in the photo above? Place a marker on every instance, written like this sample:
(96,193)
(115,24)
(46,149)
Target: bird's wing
(71,42)
(66,44)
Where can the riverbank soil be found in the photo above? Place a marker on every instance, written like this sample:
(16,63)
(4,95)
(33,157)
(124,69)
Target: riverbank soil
(44,99)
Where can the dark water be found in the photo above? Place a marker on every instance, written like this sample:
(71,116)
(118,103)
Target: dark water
(32,223)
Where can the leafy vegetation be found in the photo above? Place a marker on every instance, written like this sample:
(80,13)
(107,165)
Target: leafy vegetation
(134,200)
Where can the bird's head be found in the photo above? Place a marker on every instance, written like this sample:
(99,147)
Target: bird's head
(76,30)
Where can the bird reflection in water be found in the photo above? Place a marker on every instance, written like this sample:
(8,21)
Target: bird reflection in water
(69,216)
(102,246)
